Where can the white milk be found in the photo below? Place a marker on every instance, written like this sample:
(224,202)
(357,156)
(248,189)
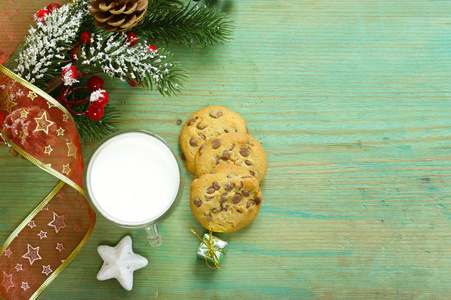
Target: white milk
(133,178)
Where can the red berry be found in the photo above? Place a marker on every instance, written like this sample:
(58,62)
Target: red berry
(74,54)
(40,15)
(53,6)
(132,39)
(95,83)
(131,82)
(95,112)
(85,38)
(103,99)
(152,48)
(69,75)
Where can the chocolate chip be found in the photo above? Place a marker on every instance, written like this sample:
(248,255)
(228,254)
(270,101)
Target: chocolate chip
(231,147)
(252,173)
(219,209)
(215,114)
(241,185)
(211,190)
(200,127)
(179,122)
(226,207)
(231,175)
(201,136)
(190,122)
(216,185)
(193,142)
(197,202)
(258,200)
(223,198)
(246,176)
(239,211)
(246,193)
(215,144)
(202,148)
(244,151)
(208,216)
(236,198)
(225,155)
(217,160)
(228,186)
(248,162)
(226,131)
(250,203)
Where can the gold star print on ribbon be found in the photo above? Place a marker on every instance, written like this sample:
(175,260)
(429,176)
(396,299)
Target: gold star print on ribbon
(65,118)
(48,149)
(32,95)
(7,104)
(23,135)
(66,169)
(71,150)
(58,222)
(60,131)
(43,123)
(24,113)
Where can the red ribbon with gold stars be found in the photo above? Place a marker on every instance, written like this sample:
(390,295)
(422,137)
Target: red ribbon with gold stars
(39,129)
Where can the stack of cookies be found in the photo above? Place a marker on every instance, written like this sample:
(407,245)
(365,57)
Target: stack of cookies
(229,165)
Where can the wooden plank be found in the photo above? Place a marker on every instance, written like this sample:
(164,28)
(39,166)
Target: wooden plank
(351,101)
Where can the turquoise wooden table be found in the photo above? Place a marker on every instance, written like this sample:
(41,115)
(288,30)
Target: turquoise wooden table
(351,101)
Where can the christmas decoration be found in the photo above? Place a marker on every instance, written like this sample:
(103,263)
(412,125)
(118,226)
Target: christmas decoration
(85,38)
(39,128)
(120,262)
(67,41)
(95,112)
(33,128)
(40,15)
(132,39)
(95,83)
(211,249)
(118,15)
(52,7)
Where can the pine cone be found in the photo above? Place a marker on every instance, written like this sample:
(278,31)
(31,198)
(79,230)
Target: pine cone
(119,15)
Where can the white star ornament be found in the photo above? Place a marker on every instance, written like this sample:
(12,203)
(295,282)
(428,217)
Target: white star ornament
(120,262)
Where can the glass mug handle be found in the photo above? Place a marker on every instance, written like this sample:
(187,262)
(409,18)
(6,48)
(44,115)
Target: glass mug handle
(153,235)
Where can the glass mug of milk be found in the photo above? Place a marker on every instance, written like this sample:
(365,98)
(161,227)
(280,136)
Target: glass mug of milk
(134,179)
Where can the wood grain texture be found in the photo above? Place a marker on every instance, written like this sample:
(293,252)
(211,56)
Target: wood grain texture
(351,101)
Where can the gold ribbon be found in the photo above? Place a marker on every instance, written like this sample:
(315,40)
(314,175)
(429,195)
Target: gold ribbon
(211,249)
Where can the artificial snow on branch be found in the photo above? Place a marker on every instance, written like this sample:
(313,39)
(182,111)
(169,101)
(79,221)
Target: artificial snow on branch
(66,46)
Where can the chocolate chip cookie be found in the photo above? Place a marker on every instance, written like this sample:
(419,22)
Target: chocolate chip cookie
(231,148)
(225,200)
(208,122)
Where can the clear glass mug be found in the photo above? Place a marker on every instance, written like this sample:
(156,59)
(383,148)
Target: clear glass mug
(101,155)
